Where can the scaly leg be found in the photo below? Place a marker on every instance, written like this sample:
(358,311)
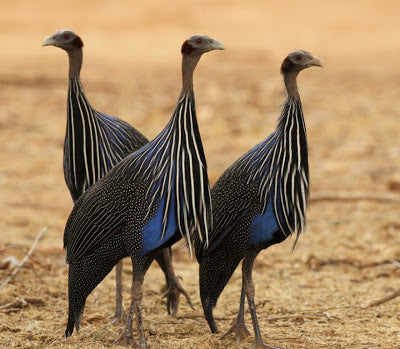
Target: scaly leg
(119,316)
(126,337)
(247,270)
(174,288)
(139,268)
(238,325)
(136,295)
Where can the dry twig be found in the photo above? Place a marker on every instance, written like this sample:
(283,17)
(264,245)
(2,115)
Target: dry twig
(351,196)
(315,262)
(20,265)
(385,299)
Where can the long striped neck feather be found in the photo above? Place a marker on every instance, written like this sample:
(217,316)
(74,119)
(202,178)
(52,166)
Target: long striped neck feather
(81,141)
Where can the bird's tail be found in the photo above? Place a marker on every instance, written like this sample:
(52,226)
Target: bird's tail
(78,290)
(84,275)
(75,311)
(215,271)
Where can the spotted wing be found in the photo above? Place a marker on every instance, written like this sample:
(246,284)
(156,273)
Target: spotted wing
(92,222)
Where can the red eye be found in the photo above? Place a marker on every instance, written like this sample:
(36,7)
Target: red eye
(199,41)
(66,36)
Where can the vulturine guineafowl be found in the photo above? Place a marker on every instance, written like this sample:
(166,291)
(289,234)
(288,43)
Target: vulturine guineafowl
(258,201)
(148,201)
(94,143)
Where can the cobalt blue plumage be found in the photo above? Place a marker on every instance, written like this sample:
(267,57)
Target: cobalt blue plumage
(258,201)
(152,236)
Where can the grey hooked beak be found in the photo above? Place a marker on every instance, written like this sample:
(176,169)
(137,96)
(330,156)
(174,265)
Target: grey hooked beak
(217,45)
(316,62)
(49,41)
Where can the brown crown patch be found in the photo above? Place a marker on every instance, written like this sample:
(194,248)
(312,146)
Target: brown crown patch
(77,42)
(186,48)
(287,65)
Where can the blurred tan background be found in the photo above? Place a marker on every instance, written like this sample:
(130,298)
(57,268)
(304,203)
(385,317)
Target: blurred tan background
(131,69)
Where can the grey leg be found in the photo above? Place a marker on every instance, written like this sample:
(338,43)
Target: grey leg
(247,270)
(174,288)
(238,326)
(139,268)
(119,316)
(126,337)
(136,294)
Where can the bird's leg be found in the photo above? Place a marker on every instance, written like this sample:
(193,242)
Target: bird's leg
(174,288)
(126,337)
(247,270)
(119,316)
(139,268)
(238,325)
(136,294)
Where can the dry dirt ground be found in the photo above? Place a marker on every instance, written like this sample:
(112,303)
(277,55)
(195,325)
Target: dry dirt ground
(320,295)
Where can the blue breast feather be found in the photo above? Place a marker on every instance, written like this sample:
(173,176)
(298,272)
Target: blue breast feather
(263,226)
(152,230)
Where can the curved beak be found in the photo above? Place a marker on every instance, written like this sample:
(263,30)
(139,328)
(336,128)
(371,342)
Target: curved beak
(217,45)
(316,62)
(49,41)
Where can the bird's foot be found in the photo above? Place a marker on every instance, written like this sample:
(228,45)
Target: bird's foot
(119,318)
(172,294)
(125,339)
(239,328)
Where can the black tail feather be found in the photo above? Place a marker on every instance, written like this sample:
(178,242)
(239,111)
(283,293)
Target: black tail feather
(74,320)
(85,274)
(215,271)
(70,325)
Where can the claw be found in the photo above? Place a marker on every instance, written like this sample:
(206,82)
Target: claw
(119,318)
(126,340)
(172,295)
(239,328)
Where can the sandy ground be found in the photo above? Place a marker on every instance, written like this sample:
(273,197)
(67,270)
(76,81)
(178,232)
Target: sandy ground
(319,296)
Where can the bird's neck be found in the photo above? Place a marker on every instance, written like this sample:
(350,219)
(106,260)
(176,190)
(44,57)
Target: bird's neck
(75,62)
(290,79)
(189,63)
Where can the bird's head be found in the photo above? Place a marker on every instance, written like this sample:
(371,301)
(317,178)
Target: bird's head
(65,39)
(299,60)
(199,44)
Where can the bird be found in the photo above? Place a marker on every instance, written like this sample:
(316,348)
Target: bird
(95,143)
(148,201)
(258,201)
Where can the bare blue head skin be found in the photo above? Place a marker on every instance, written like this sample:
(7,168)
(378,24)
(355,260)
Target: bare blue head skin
(70,42)
(192,49)
(293,64)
